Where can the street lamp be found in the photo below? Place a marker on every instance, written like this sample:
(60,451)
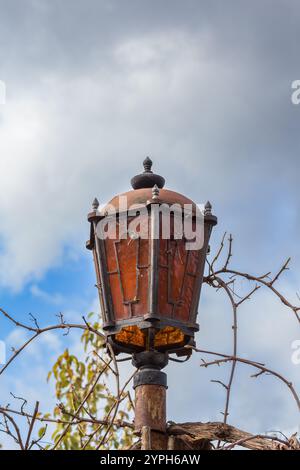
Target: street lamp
(149,281)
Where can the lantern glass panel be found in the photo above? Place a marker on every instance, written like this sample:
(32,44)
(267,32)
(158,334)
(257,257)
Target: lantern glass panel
(128,271)
(177,271)
(131,335)
(169,337)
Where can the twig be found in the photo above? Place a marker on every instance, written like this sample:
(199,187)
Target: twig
(36,410)
(226,358)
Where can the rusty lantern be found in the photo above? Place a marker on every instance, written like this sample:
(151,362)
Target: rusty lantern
(149,287)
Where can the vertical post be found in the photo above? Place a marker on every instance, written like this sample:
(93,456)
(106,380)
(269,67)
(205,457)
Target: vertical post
(150,385)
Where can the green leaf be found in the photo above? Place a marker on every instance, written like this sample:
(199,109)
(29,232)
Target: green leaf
(42,431)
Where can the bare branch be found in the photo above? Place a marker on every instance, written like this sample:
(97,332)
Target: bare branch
(225,358)
(36,410)
(194,433)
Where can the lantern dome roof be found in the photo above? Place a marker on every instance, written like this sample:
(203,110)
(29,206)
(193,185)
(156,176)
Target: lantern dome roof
(144,196)
(148,188)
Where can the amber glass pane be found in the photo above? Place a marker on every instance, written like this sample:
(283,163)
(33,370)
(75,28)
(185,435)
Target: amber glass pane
(128,266)
(131,335)
(168,336)
(177,276)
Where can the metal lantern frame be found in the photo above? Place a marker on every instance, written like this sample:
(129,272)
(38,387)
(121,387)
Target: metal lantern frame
(151,321)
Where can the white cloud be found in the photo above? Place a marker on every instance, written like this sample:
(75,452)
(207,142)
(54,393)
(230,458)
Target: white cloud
(63,139)
(54,298)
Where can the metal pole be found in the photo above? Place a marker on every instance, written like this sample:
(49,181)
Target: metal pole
(150,385)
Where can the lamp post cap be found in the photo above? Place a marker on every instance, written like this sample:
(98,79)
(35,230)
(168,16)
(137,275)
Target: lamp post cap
(147,179)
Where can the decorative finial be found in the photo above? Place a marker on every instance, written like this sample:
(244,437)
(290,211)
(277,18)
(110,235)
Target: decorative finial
(147,179)
(207,208)
(147,165)
(95,204)
(155,192)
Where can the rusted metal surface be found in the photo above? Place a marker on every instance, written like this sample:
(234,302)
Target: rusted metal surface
(150,413)
(142,197)
(146,438)
(150,407)
(150,385)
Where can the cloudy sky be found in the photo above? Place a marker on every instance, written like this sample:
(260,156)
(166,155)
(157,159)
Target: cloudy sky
(204,88)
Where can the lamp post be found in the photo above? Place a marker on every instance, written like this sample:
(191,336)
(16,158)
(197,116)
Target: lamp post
(149,281)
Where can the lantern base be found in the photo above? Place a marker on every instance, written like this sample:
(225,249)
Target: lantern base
(149,365)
